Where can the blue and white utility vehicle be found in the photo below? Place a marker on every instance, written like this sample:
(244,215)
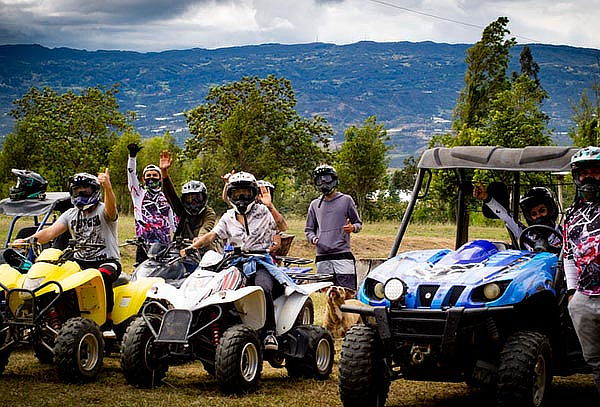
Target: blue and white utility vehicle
(490,313)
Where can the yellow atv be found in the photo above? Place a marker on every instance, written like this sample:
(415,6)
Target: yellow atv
(58,309)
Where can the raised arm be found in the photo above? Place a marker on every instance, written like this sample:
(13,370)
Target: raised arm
(110,202)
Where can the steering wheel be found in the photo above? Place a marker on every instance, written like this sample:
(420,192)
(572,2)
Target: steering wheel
(540,241)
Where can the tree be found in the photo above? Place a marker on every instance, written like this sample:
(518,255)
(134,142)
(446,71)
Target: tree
(487,62)
(361,161)
(528,66)
(58,135)
(586,115)
(404,179)
(251,125)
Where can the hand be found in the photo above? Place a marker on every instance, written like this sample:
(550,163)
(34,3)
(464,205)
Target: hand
(479,192)
(315,241)
(20,242)
(348,227)
(264,196)
(133,149)
(165,160)
(225,177)
(104,179)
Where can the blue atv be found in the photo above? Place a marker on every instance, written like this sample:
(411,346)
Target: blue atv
(492,314)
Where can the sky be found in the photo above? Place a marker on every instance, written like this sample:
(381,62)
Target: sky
(157,25)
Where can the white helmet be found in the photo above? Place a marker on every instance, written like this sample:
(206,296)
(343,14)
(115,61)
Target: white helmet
(266,184)
(242,191)
(193,197)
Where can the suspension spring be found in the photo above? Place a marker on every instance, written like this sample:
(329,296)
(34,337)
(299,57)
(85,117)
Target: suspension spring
(492,328)
(54,320)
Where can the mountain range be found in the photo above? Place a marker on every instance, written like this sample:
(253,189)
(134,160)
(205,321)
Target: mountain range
(411,87)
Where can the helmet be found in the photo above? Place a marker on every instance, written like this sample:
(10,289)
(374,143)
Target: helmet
(194,197)
(84,199)
(153,185)
(29,185)
(588,188)
(266,184)
(242,191)
(325,178)
(534,197)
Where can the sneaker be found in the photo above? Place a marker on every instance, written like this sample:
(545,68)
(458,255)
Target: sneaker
(270,342)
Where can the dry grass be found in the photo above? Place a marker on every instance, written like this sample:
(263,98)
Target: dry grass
(28,383)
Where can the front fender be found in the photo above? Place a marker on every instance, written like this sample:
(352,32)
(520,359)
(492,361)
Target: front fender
(129,298)
(248,301)
(89,288)
(9,277)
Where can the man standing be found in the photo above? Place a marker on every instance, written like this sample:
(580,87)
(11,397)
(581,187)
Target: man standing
(154,219)
(330,220)
(582,255)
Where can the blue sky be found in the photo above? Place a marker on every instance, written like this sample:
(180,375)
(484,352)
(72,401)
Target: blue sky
(155,25)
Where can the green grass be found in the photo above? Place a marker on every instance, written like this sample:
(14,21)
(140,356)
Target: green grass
(26,382)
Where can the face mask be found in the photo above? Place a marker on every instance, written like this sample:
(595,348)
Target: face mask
(152,184)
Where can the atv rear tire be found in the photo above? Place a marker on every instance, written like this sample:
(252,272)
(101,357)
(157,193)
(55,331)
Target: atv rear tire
(79,350)
(317,363)
(363,378)
(525,371)
(307,314)
(140,359)
(238,360)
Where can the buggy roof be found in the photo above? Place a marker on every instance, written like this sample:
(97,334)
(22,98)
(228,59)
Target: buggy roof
(35,207)
(527,159)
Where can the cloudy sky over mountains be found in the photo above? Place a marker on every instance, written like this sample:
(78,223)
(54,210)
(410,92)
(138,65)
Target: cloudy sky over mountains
(155,25)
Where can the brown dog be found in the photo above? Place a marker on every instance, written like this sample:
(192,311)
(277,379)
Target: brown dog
(336,321)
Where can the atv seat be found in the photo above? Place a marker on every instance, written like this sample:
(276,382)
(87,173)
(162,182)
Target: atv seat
(123,279)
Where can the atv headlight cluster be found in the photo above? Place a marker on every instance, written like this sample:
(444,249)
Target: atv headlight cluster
(32,283)
(394,289)
(378,291)
(489,292)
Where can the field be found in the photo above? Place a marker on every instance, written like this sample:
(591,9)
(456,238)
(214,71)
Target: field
(28,383)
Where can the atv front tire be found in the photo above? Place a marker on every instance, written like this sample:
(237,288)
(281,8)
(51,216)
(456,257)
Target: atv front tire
(79,350)
(43,354)
(363,378)
(4,354)
(318,361)
(142,362)
(525,371)
(238,360)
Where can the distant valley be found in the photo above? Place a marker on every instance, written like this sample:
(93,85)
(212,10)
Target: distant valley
(411,87)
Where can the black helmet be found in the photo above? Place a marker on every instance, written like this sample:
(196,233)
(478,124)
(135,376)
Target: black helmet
(30,185)
(536,196)
(194,197)
(84,200)
(589,187)
(242,191)
(325,178)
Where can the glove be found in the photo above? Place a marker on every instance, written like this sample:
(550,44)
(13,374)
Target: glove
(133,149)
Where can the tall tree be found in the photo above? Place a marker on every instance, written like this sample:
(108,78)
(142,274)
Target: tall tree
(528,65)
(58,135)
(487,62)
(586,115)
(252,125)
(361,161)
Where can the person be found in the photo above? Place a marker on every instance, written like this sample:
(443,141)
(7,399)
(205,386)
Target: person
(90,221)
(582,255)
(154,218)
(250,226)
(537,205)
(282,227)
(195,216)
(330,220)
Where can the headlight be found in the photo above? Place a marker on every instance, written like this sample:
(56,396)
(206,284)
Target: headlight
(394,289)
(32,283)
(492,291)
(378,291)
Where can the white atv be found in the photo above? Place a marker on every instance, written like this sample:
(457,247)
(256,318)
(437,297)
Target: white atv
(213,317)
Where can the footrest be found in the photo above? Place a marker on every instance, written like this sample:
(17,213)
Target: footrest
(175,326)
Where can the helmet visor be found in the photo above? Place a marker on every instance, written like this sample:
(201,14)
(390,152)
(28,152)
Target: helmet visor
(241,194)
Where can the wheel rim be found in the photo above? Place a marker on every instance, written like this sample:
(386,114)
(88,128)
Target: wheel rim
(323,355)
(88,352)
(249,362)
(539,383)
(150,357)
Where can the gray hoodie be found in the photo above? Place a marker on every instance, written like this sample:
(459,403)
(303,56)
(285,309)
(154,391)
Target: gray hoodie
(327,221)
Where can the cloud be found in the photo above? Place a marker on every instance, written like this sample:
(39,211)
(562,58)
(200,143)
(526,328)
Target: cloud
(152,25)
